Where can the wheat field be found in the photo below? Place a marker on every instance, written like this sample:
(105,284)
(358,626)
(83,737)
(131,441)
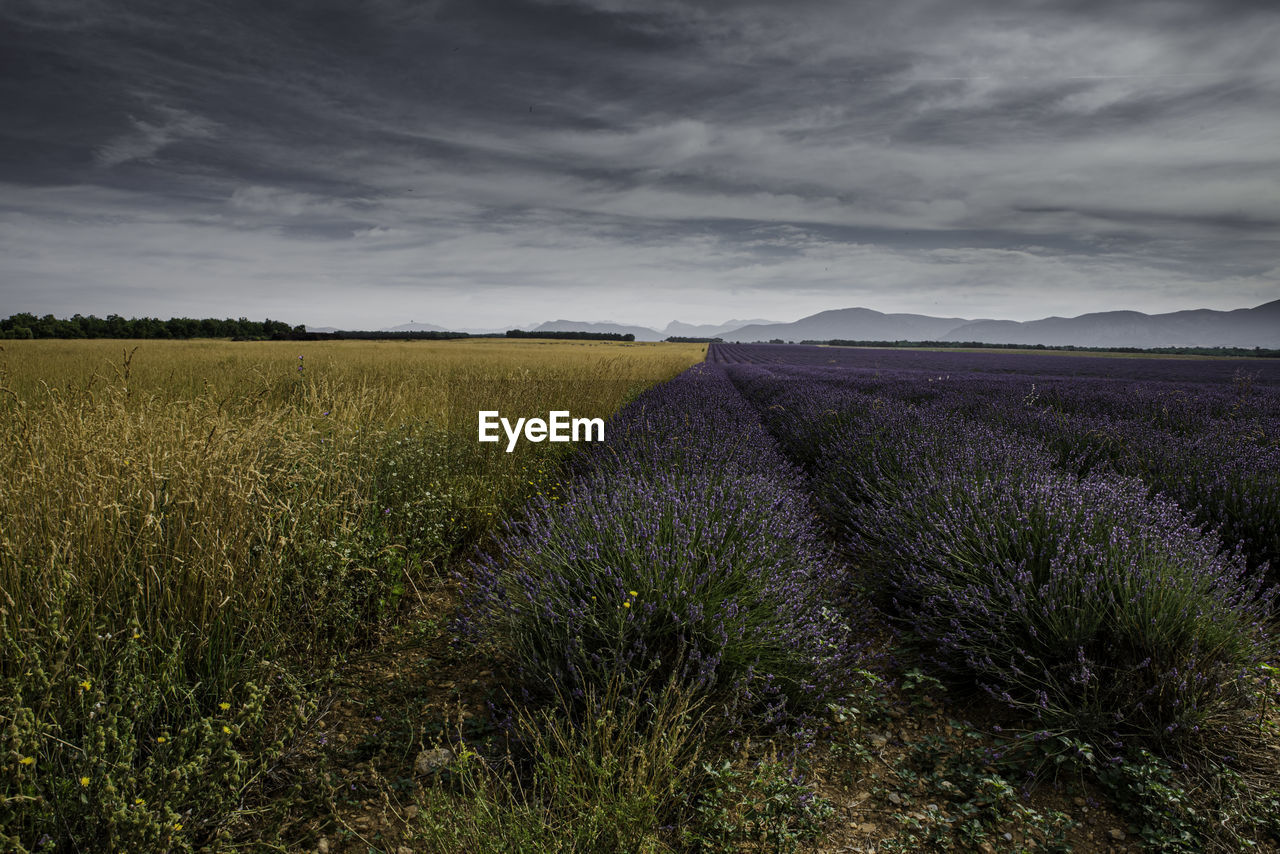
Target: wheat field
(183,525)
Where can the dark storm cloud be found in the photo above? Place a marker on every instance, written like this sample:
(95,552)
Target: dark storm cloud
(636,159)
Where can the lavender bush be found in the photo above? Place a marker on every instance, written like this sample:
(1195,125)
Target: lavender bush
(1105,613)
(1224,476)
(681,549)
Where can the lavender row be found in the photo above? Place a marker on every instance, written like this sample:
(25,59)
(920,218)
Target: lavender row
(1266,372)
(1215,449)
(681,550)
(1105,611)
(1227,480)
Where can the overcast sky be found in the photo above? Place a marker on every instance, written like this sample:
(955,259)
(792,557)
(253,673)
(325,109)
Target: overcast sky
(361,163)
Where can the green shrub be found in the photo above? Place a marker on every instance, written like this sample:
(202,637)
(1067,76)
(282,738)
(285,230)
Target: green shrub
(759,805)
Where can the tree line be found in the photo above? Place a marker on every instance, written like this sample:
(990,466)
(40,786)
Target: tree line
(25,325)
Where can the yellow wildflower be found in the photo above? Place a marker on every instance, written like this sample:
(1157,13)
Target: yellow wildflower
(161,740)
(84,781)
(85,685)
(224,706)
(227,730)
(27,760)
(633,593)
(626,604)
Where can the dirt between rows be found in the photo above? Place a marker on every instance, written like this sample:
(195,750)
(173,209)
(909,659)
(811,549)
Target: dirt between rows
(392,705)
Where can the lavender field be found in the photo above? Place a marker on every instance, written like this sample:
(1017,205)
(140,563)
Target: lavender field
(1089,541)
(1204,432)
(790,545)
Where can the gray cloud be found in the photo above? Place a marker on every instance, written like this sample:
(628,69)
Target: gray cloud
(146,139)
(336,162)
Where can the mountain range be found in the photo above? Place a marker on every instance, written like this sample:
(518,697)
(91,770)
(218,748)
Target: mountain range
(1244,327)
(643,333)
(853,324)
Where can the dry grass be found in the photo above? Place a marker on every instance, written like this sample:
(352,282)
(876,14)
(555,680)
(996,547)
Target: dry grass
(168,478)
(223,503)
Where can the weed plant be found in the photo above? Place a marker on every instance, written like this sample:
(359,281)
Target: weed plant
(617,778)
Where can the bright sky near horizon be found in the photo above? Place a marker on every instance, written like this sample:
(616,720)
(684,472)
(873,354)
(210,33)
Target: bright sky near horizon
(497,163)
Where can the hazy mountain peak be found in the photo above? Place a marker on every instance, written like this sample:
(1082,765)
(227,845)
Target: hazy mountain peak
(642,333)
(413,326)
(1248,327)
(708,330)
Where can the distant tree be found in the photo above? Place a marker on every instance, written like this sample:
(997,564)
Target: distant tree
(573,336)
(21,319)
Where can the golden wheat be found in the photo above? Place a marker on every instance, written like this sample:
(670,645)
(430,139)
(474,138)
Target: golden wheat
(163,480)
